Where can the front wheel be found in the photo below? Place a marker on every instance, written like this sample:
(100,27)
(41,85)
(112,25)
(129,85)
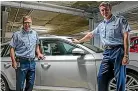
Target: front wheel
(131,83)
(4,85)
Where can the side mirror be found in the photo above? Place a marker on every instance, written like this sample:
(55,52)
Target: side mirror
(78,51)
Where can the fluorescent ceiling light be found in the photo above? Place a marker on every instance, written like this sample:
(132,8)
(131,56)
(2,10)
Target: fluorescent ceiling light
(39,28)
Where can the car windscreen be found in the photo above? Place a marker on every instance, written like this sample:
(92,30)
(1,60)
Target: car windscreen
(93,48)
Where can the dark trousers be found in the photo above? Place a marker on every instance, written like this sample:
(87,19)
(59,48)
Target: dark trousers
(112,66)
(25,71)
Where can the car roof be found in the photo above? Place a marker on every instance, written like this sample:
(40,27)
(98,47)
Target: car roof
(53,36)
(48,37)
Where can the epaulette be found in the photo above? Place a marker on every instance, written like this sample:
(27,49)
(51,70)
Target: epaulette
(123,19)
(119,16)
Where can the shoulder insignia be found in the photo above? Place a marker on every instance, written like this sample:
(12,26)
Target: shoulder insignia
(124,21)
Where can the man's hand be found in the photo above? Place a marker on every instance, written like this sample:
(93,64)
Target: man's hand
(75,41)
(14,65)
(40,56)
(125,61)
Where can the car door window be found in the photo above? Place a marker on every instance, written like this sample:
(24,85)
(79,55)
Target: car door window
(57,48)
(136,41)
(2,47)
(2,50)
(50,48)
(68,48)
(7,52)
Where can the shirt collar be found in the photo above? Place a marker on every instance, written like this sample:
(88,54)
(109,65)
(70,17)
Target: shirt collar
(27,32)
(111,19)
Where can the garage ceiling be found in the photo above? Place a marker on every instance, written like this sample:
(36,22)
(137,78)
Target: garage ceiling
(57,23)
(132,18)
(51,22)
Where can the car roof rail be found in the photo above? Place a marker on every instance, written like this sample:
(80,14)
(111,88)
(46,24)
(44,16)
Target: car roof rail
(47,35)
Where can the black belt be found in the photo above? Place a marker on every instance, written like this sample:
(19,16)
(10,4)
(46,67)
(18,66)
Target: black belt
(112,46)
(24,58)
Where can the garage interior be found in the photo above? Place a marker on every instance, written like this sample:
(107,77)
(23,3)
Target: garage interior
(63,18)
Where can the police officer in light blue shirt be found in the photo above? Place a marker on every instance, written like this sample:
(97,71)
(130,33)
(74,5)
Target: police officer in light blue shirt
(113,31)
(24,45)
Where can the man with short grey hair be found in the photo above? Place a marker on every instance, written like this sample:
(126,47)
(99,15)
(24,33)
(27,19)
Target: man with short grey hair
(114,33)
(24,44)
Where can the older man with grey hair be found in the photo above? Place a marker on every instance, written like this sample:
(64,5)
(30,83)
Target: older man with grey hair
(24,45)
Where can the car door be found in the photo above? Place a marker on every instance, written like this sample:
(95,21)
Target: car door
(9,72)
(61,68)
(6,67)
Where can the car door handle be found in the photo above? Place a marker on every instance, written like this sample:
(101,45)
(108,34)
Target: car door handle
(45,65)
(7,65)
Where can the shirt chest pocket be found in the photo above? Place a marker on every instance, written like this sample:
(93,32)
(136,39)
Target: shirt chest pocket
(28,40)
(103,32)
(113,30)
(33,40)
(22,42)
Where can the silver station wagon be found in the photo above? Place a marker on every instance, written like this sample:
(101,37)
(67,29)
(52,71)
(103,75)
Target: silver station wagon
(66,67)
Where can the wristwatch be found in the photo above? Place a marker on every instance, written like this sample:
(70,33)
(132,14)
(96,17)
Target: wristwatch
(126,56)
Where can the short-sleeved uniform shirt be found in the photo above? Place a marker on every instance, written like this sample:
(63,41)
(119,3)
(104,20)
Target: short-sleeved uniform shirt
(24,43)
(111,31)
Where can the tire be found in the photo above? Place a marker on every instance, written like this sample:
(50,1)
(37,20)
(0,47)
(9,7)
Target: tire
(4,85)
(131,82)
